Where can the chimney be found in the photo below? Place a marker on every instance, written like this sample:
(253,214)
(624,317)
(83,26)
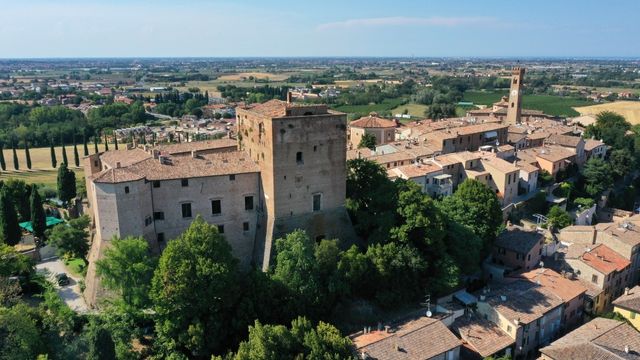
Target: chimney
(289,97)
(155,153)
(118,165)
(626,291)
(194,154)
(626,349)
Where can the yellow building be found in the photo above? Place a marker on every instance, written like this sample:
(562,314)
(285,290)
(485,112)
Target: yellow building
(628,305)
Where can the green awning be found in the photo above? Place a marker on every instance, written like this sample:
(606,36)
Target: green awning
(51,221)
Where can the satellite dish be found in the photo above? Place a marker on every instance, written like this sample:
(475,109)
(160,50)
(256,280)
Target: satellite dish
(429,313)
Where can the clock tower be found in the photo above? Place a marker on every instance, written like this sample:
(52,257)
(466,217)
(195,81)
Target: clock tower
(515,107)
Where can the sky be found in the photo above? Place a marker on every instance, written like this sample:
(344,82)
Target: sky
(287,28)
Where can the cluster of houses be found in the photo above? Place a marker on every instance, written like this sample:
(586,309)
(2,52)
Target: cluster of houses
(543,300)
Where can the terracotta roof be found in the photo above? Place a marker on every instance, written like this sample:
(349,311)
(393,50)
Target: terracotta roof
(553,153)
(116,175)
(564,140)
(524,301)
(415,170)
(271,108)
(629,235)
(499,164)
(187,147)
(415,340)
(591,144)
(124,156)
(482,335)
(604,259)
(372,121)
(519,240)
(598,339)
(630,300)
(566,289)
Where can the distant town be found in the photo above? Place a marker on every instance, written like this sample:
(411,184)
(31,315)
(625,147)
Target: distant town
(320,208)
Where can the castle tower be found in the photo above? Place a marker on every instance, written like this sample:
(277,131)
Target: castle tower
(515,96)
(301,152)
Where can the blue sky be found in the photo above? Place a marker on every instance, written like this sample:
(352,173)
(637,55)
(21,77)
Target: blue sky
(487,28)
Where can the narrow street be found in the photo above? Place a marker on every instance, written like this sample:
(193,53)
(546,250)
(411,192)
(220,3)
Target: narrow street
(70,293)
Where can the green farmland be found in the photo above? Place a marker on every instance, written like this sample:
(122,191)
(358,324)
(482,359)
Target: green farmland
(553,105)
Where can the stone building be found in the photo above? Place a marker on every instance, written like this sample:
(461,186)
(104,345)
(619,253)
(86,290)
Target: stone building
(286,171)
(384,130)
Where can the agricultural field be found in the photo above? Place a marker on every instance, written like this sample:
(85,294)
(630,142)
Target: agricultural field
(415,110)
(386,105)
(41,171)
(629,109)
(553,105)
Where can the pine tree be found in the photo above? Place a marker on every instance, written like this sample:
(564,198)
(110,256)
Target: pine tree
(95,144)
(66,184)
(16,164)
(64,155)
(38,217)
(76,156)
(3,165)
(54,161)
(84,143)
(106,143)
(27,154)
(115,140)
(9,229)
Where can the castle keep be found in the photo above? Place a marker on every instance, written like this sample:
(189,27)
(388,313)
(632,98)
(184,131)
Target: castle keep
(285,171)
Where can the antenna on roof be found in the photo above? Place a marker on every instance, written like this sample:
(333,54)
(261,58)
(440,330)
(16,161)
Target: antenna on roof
(427,303)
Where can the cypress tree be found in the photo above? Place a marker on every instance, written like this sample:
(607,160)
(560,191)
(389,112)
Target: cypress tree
(64,155)
(3,165)
(101,346)
(115,140)
(76,156)
(54,161)
(27,154)
(95,144)
(9,229)
(66,184)
(84,143)
(16,164)
(38,218)
(106,143)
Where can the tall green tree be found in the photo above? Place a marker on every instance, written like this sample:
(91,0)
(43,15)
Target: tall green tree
(101,345)
(368,141)
(27,154)
(66,183)
(127,267)
(193,290)
(597,176)
(622,162)
(38,216)
(371,200)
(558,218)
(16,164)
(3,164)
(611,128)
(115,141)
(106,143)
(52,150)
(19,192)
(95,144)
(475,206)
(20,334)
(65,160)
(9,229)
(76,156)
(71,239)
(85,147)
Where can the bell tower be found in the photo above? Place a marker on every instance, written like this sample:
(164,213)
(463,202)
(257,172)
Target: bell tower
(515,101)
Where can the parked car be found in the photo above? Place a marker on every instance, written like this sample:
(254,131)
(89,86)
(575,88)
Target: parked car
(62,279)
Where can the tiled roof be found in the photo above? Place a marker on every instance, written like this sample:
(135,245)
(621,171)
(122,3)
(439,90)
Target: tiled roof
(600,339)
(116,175)
(518,240)
(499,164)
(271,108)
(564,140)
(415,170)
(591,144)
(551,153)
(524,301)
(482,335)
(629,300)
(566,289)
(416,340)
(604,259)
(187,147)
(124,157)
(372,121)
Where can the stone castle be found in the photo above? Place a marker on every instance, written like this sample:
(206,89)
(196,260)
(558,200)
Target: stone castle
(285,171)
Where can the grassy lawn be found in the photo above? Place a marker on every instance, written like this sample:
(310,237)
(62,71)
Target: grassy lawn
(41,171)
(386,105)
(416,110)
(553,105)
(76,267)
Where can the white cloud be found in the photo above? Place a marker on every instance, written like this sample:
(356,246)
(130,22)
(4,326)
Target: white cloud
(406,21)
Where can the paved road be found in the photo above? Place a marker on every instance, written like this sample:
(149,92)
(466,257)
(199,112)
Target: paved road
(71,293)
